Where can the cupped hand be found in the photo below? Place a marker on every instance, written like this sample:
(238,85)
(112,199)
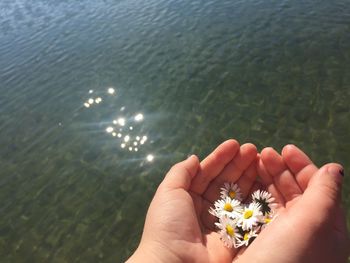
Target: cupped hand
(310,226)
(178,227)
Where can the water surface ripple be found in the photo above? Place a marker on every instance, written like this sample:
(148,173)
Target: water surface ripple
(79,163)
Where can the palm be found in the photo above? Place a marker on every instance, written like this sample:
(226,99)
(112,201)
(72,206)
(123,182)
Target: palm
(228,163)
(180,211)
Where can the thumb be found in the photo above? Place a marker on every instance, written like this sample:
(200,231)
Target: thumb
(181,174)
(324,190)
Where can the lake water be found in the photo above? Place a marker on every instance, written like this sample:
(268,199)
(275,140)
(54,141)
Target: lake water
(79,163)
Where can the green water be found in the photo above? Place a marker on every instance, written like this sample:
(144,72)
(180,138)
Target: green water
(199,72)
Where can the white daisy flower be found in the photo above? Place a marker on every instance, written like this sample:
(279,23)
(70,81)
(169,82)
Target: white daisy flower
(213,212)
(267,219)
(229,207)
(265,200)
(247,238)
(239,224)
(232,190)
(228,231)
(250,216)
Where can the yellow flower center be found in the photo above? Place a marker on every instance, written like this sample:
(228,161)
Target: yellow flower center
(232,194)
(230,230)
(246,236)
(228,207)
(267,220)
(248,214)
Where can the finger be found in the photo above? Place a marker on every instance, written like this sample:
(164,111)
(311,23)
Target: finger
(265,177)
(300,165)
(246,181)
(255,186)
(181,174)
(216,250)
(243,159)
(212,165)
(322,195)
(268,182)
(232,172)
(282,177)
(295,159)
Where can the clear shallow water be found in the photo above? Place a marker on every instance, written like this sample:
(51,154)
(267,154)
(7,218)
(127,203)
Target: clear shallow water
(267,72)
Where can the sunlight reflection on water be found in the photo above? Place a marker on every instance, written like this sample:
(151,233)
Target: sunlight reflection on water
(92,92)
(126,128)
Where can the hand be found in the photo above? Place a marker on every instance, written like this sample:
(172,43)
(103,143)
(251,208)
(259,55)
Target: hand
(178,227)
(310,226)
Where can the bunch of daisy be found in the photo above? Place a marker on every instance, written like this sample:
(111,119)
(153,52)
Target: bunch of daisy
(240,223)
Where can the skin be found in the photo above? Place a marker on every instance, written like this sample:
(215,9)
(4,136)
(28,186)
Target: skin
(310,226)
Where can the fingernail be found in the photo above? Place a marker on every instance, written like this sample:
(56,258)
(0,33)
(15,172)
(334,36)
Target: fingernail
(191,156)
(336,171)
